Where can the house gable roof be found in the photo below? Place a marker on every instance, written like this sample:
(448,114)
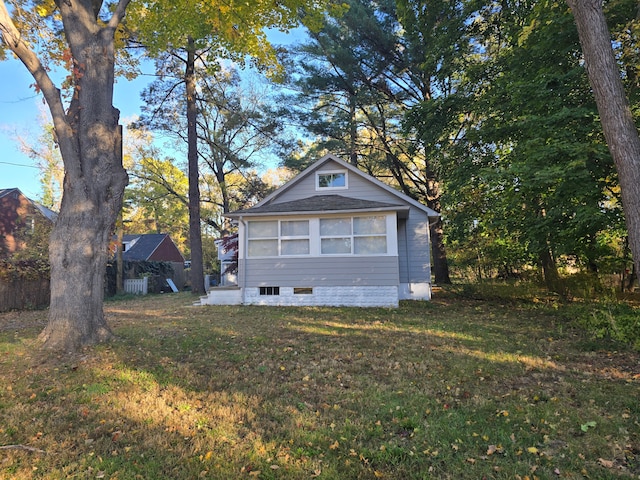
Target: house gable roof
(144,247)
(326,202)
(46,212)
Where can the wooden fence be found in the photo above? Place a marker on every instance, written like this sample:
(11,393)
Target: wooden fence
(24,294)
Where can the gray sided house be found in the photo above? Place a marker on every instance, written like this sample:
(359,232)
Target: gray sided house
(332,236)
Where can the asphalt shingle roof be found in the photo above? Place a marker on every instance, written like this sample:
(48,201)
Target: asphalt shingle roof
(319,203)
(144,247)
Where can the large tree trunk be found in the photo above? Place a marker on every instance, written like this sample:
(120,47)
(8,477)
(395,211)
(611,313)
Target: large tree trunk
(617,121)
(438,251)
(195,229)
(550,271)
(89,140)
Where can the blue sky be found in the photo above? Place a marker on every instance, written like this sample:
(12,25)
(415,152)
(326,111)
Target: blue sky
(21,110)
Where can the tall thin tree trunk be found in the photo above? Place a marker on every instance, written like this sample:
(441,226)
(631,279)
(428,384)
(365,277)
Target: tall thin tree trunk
(615,115)
(195,229)
(353,131)
(438,252)
(119,261)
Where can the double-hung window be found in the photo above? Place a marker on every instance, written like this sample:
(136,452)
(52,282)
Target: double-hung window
(335,236)
(273,238)
(370,235)
(353,235)
(294,237)
(263,238)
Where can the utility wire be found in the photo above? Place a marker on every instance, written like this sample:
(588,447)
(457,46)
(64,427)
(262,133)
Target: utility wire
(19,165)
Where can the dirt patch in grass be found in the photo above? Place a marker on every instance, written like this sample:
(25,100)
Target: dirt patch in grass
(454,388)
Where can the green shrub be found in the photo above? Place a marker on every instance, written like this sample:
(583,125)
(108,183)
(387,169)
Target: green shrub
(617,321)
(31,269)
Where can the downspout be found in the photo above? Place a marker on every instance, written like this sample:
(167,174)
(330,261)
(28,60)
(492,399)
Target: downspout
(429,223)
(245,246)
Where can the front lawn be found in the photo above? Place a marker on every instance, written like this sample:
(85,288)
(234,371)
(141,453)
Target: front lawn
(455,388)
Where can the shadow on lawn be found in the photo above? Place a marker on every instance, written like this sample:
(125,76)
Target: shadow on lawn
(225,392)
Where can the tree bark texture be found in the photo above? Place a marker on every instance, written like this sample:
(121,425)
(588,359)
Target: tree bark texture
(438,250)
(93,188)
(615,115)
(550,271)
(89,140)
(195,229)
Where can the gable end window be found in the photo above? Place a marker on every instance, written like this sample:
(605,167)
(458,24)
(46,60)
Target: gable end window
(334,180)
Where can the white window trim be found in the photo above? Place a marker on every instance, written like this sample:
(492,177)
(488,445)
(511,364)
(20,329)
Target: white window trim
(330,172)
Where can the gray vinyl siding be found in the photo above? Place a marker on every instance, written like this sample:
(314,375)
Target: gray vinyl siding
(320,271)
(403,251)
(358,188)
(418,246)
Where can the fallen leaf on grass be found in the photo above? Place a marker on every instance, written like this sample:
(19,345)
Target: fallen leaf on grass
(494,449)
(586,426)
(533,450)
(606,463)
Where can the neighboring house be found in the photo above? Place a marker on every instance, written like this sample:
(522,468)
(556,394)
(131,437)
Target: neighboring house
(19,218)
(332,236)
(154,247)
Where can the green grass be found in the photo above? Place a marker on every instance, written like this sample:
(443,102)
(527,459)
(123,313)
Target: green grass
(456,388)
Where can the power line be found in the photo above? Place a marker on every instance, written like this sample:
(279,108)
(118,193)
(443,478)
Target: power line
(19,100)
(19,165)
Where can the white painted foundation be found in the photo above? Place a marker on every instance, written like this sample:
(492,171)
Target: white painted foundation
(414,291)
